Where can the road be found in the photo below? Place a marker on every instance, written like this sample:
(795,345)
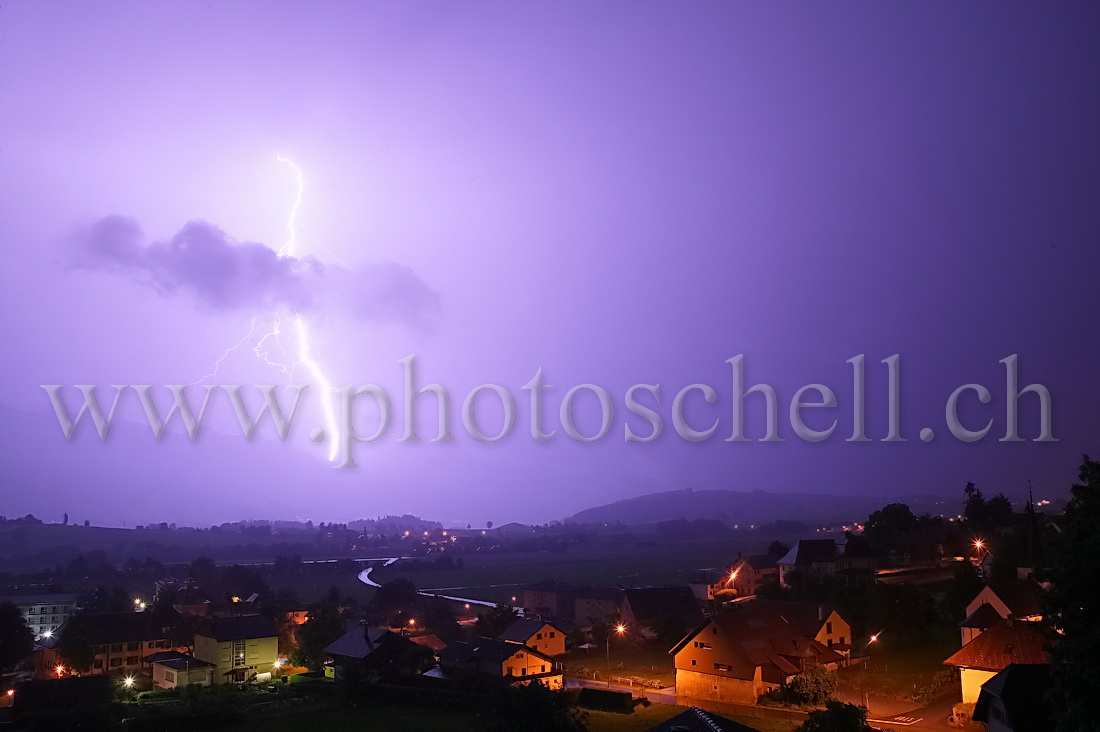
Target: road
(365,578)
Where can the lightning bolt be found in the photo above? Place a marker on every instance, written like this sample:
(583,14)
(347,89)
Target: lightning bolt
(271,341)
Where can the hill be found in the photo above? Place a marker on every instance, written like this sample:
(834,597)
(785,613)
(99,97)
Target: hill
(754,507)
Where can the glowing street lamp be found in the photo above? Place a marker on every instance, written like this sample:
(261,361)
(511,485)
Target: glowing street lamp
(128,681)
(60,670)
(862,689)
(48,634)
(620,629)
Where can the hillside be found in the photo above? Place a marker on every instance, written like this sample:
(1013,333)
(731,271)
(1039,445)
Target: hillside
(755,507)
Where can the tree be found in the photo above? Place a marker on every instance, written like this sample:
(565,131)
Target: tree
(439,618)
(323,625)
(534,707)
(496,620)
(778,549)
(837,717)
(965,585)
(1071,605)
(16,639)
(74,645)
(886,523)
(395,597)
(814,686)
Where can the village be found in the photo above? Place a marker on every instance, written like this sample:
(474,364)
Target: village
(914,622)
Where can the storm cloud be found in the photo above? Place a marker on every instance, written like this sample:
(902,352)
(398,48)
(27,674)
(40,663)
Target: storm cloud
(205,264)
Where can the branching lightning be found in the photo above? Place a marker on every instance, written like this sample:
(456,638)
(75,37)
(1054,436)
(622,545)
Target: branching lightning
(270,343)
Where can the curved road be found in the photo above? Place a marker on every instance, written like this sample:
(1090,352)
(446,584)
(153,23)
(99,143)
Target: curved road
(365,578)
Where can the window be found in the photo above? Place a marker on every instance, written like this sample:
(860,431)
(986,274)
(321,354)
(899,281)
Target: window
(32,611)
(511,671)
(551,634)
(131,660)
(538,636)
(116,662)
(714,630)
(701,644)
(523,671)
(543,669)
(721,667)
(169,677)
(98,663)
(693,662)
(253,655)
(133,646)
(116,648)
(829,627)
(841,639)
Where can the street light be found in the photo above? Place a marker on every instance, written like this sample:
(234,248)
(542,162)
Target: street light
(862,689)
(620,629)
(128,681)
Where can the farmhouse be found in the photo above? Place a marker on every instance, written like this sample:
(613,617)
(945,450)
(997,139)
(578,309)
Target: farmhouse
(502,659)
(535,634)
(1008,642)
(742,653)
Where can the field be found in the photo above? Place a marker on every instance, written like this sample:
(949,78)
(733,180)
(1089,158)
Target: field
(415,719)
(499,577)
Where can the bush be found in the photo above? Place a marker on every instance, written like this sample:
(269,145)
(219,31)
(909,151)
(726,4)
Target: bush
(813,687)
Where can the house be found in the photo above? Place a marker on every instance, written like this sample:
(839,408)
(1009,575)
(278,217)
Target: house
(1008,642)
(646,608)
(365,651)
(1014,700)
(119,640)
(753,570)
(695,719)
(502,659)
(242,648)
(536,634)
(984,617)
(849,557)
(432,642)
(549,598)
(742,653)
(1017,599)
(171,670)
(44,613)
(595,604)
(708,583)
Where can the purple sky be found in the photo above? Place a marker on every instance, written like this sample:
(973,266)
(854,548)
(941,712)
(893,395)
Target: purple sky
(616,192)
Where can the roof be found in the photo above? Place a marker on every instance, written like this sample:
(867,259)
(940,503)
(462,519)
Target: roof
(1010,641)
(986,616)
(522,629)
(238,627)
(1021,689)
(160,656)
(695,719)
(1020,596)
(809,551)
(651,603)
(814,551)
(433,642)
(38,599)
(124,627)
(182,662)
(359,642)
(485,650)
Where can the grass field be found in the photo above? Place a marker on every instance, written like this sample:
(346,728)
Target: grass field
(418,719)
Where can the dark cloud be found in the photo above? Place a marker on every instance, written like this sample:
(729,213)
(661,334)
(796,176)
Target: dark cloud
(203,262)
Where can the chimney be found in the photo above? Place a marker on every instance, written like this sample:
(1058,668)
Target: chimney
(820,613)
